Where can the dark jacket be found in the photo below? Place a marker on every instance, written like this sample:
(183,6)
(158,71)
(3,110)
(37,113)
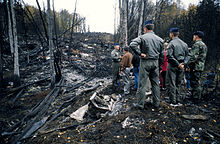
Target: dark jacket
(136,60)
(126,61)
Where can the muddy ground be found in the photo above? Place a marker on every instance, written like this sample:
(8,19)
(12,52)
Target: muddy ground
(90,72)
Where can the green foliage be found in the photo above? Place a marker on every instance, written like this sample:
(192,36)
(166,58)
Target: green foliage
(65,20)
(28,18)
(166,17)
(204,17)
(166,13)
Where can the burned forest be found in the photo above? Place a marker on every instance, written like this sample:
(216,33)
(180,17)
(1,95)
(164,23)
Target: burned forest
(56,76)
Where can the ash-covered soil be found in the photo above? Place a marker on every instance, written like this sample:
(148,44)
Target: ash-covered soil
(88,74)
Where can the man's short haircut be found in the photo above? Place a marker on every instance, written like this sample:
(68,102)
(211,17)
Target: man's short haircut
(176,33)
(150,26)
(126,48)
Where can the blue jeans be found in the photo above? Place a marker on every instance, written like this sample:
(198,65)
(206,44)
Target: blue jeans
(136,76)
(187,83)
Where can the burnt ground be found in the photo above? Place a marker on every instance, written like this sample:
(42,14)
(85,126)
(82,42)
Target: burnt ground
(90,72)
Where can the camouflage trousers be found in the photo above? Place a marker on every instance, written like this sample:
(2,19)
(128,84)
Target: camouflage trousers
(174,79)
(115,73)
(195,84)
(148,69)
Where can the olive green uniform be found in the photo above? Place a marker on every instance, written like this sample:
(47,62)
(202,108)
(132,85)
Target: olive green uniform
(197,64)
(151,45)
(115,55)
(177,52)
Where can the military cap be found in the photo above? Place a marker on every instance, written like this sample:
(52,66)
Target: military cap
(148,22)
(175,29)
(200,34)
(115,44)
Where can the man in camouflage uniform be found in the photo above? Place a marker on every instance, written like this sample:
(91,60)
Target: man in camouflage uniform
(177,56)
(152,55)
(115,55)
(197,64)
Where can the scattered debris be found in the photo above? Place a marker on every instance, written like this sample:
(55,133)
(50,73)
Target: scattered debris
(83,108)
(195,117)
(79,114)
(135,123)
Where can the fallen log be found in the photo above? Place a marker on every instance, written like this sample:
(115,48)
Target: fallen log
(64,107)
(40,109)
(17,96)
(61,129)
(30,114)
(214,133)
(78,67)
(35,126)
(25,133)
(79,84)
(195,117)
(53,118)
(35,109)
(26,85)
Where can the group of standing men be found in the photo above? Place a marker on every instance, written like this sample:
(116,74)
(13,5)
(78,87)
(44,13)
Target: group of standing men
(150,48)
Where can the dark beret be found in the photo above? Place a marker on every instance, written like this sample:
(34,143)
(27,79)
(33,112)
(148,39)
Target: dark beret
(200,34)
(115,44)
(175,29)
(148,22)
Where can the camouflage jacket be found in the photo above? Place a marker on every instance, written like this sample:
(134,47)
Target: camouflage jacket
(177,52)
(151,45)
(198,56)
(115,55)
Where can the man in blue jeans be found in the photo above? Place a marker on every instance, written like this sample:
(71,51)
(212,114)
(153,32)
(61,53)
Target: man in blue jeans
(136,64)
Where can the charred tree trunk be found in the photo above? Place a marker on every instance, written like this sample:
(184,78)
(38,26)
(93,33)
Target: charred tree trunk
(44,24)
(1,64)
(55,25)
(121,21)
(124,32)
(36,28)
(115,23)
(51,48)
(141,18)
(10,35)
(159,9)
(16,56)
(1,42)
(84,26)
(71,35)
(13,41)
